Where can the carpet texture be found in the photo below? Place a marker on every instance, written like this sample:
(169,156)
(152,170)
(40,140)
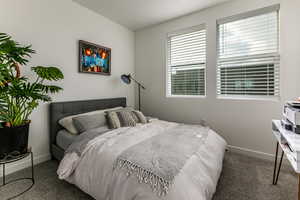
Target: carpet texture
(243,178)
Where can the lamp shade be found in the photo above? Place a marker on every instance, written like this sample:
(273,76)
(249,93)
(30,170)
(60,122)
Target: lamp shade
(126,78)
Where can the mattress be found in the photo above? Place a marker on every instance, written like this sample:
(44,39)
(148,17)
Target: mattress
(64,139)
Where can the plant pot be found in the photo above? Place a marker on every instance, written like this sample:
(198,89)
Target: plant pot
(14,139)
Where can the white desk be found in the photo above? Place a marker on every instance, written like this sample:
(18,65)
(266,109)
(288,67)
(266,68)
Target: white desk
(290,145)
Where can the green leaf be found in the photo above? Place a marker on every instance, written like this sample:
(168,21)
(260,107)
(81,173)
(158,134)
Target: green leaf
(4,37)
(48,73)
(49,88)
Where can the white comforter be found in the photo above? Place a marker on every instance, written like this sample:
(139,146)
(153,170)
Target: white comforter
(93,170)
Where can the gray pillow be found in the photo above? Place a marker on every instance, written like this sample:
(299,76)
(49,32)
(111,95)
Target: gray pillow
(67,122)
(86,122)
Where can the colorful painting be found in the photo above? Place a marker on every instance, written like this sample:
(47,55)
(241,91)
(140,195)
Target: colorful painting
(94,58)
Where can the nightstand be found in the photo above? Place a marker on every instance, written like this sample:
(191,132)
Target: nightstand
(12,159)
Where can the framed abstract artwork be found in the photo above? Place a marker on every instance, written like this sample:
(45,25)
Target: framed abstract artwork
(94,58)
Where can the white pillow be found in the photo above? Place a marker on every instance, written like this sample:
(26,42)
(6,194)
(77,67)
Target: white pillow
(67,122)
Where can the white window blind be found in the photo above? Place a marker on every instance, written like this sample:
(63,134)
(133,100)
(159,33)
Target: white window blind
(186,62)
(248,54)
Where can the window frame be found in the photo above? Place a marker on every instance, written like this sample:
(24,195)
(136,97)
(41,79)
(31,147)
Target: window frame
(180,32)
(241,16)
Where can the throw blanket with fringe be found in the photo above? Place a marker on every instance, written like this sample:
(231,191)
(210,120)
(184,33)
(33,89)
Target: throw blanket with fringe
(157,160)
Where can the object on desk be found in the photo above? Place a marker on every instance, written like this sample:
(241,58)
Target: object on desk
(294,104)
(289,126)
(296,129)
(292,114)
(286,124)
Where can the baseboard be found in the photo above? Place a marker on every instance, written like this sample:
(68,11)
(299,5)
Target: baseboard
(252,153)
(19,165)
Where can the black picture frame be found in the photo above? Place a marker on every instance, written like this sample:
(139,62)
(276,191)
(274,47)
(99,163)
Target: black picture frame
(94,58)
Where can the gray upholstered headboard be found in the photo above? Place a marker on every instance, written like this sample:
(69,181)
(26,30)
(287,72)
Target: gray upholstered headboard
(59,110)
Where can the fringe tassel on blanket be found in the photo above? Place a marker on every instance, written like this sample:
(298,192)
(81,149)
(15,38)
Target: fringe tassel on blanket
(157,183)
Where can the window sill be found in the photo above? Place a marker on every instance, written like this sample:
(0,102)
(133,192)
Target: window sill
(187,96)
(250,98)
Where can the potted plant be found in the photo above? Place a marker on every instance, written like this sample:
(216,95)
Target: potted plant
(19,96)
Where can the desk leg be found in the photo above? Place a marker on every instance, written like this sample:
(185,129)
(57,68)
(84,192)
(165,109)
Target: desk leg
(276,174)
(275,165)
(279,167)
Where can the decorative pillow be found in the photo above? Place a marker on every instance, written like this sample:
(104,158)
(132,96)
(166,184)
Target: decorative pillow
(113,120)
(87,122)
(68,124)
(130,109)
(121,118)
(137,115)
(135,118)
(125,118)
(140,116)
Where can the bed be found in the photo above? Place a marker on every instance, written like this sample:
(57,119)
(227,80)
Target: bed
(112,167)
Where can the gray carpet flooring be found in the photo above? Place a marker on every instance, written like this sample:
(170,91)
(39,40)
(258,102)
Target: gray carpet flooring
(243,178)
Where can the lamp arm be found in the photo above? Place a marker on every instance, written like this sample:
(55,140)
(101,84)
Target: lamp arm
(137,82)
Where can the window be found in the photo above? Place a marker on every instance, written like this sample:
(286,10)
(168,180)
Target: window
(248,54)
(186,62)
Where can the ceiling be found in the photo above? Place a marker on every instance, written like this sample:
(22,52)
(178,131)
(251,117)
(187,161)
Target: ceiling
(137,14)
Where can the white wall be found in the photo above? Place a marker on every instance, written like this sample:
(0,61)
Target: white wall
(53,27)
(244,124)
